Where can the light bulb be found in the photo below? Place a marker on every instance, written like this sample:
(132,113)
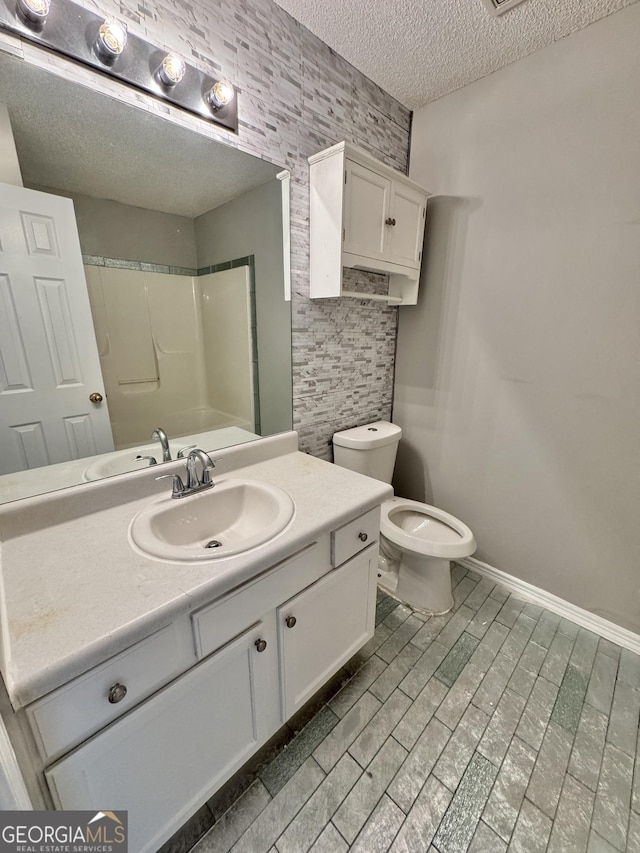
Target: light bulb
(172,70)
(34,10)
(112,37)
(220,94)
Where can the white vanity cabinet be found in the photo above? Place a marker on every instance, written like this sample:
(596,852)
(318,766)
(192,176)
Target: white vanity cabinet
(364,214)
(162,760)
(250,659)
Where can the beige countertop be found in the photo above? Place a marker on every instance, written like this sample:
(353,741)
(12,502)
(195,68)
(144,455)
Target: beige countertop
(74,591)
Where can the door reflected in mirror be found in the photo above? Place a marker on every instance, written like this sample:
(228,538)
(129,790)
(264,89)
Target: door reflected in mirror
(142,286)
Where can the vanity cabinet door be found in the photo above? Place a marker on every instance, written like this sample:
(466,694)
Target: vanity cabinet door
(166,757)
(322,627)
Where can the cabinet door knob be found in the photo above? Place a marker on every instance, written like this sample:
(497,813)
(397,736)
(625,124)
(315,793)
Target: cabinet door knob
(290,621)
(389,221)
(261,645)
(363,537)
(117,693)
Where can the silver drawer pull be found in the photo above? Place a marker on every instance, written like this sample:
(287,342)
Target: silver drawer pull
(117,693)
(261,645)
(362,537)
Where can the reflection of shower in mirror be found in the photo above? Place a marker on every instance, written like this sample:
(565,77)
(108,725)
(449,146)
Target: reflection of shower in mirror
(163,364)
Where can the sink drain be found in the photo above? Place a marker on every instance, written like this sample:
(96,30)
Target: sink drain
(213,543)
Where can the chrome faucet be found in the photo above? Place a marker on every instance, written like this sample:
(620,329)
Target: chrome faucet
(160,435)
(194,482)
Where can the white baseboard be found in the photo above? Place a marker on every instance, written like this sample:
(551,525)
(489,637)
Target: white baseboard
(521,589)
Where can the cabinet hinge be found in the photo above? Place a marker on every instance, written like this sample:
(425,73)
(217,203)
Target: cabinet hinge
(345,176)
(420,255)
(344,235)
(424,212)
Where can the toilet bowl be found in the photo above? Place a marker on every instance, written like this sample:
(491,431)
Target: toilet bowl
(417,541)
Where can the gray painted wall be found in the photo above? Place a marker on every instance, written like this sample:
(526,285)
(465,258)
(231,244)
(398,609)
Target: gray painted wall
(109,229)
(296,97)
(9,166)
(518,374)
(115,230)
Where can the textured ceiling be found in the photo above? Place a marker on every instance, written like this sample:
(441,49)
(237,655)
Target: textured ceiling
(419,50)
(159,165)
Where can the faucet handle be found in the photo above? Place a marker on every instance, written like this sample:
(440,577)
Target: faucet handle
(178,486)
(152,459)
(183,451)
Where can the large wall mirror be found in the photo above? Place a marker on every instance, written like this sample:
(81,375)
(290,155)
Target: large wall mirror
(141,287)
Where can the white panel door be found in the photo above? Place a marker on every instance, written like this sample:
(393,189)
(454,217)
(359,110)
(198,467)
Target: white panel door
(366,205)
(49,361)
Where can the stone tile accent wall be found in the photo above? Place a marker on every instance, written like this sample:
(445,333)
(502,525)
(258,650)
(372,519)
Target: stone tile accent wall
(296,97)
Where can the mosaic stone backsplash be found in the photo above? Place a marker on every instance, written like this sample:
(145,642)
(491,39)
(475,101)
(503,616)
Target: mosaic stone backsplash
(296,97)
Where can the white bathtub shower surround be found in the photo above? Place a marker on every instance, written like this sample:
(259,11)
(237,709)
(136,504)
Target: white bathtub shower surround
(161,339)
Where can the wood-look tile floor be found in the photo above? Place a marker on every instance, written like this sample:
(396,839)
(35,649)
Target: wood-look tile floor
(497,727)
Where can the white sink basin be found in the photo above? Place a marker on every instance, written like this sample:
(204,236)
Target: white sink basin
(121,461)
(232,517)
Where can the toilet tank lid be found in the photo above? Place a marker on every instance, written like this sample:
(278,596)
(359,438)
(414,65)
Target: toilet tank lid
(369,435)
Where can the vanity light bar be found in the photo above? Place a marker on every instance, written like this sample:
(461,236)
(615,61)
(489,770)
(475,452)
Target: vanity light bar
(105,45)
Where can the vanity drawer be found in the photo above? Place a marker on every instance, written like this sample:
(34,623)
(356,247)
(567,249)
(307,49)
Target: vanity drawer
(67,716)
(354,536)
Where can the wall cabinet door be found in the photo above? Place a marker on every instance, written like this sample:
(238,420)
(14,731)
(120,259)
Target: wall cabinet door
(163,759)
(366,206)
(383,219)
(407,208)
(322,627)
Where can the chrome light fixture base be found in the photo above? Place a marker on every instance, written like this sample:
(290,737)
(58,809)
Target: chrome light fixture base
(73,31)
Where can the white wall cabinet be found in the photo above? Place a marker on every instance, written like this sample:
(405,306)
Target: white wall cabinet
(364,214)
(249,661)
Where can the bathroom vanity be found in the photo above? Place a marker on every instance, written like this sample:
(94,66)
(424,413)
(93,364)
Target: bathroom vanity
(143,685)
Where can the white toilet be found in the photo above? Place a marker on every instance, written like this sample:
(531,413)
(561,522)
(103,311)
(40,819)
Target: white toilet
(418,541)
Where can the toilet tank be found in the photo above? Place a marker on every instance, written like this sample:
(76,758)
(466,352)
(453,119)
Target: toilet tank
(370,449)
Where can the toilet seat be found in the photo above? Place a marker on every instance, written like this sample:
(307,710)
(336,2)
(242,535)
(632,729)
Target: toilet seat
(424,529)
